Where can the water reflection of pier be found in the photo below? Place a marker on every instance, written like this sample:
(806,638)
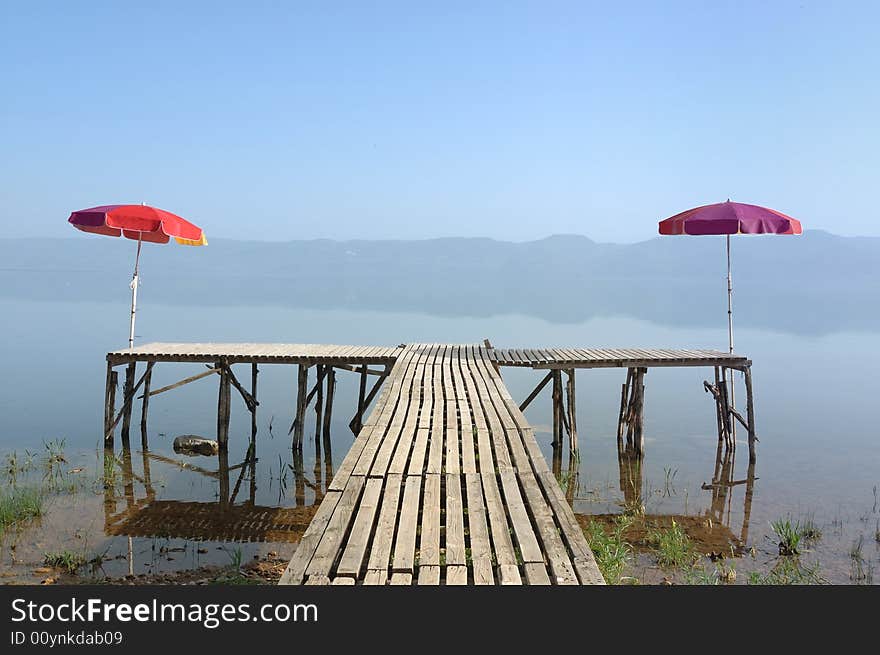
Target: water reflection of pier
(711,530)
(132,508)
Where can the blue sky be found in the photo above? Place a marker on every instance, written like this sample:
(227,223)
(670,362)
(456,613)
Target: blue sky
(293,120)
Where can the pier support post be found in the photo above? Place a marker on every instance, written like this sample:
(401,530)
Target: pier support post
(631,417)
(557,407)
(724,409)
(319,408)
(328,409)
(302,381)
(622,415)
(362,396)
(109,406)
(145,406)
(572,413)
(719,415)
(223,402)
(750,414)
(639,412)
(128,392)
(254,372)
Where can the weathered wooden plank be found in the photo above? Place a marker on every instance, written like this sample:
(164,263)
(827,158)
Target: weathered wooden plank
(429,545)
(456,575)
(536,574)
(295,571)
(405,544)
(383,541)
(399,578)
(467,395)
(519,518)
(504,553)
(354,555)
(581,556)
(481,548)
(429,575)
(553,547)
(328,546)
(375,577)
(318,580)
(453,462)
(455,546)
(509,574)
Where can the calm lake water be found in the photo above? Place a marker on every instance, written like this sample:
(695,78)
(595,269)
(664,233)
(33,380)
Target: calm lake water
(818,456)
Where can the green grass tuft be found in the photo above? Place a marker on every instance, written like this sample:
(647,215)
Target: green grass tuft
(789,536)
(788,571)
(673,547)
(66,560)
(611,551)
(19,504)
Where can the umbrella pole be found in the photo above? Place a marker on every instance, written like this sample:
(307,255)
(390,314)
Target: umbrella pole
(134,293)
(729,301)
(730,332)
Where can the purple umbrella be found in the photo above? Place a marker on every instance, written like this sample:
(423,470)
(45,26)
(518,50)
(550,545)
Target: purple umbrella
(730,218)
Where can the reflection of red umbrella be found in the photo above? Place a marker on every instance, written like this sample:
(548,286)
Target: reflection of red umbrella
(141,223)
(730,218)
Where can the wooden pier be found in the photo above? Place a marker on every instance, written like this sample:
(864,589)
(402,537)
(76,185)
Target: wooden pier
(445,482)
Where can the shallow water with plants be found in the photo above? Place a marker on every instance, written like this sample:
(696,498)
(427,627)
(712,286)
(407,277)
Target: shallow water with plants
(807,512)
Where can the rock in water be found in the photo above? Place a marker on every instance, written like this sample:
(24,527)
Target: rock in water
(190,444)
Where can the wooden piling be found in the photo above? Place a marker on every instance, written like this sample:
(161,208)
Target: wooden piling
(319,408)
(639,412)
(109,405)
(254,372)
(724,408)
(719,417)
(328,409)
(301,390)
(557,409)
(145,406)
(223,403)
(750,414)
(623,415)
(361,398)
(128,392)
(572,412)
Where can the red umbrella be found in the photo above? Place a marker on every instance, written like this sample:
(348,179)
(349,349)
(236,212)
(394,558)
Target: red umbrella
(141,223)
(730,218)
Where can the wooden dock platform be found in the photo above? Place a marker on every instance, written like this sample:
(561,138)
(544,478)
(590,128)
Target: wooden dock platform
(259,353)
(445,482)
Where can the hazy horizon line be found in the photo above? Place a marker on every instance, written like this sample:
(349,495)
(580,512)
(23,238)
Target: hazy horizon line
(70,237)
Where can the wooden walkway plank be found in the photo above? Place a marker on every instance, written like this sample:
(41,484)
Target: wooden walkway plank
(429,545)
(328,547)
(529,549)
(296,569)
(455,546)
(383,541)
(481,548)
(405,544)
(355,549)
(375,577)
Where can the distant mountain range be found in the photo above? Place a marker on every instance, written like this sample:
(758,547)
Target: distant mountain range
(810,284)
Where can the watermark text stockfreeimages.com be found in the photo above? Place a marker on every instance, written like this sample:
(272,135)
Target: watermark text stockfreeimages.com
(208,615)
